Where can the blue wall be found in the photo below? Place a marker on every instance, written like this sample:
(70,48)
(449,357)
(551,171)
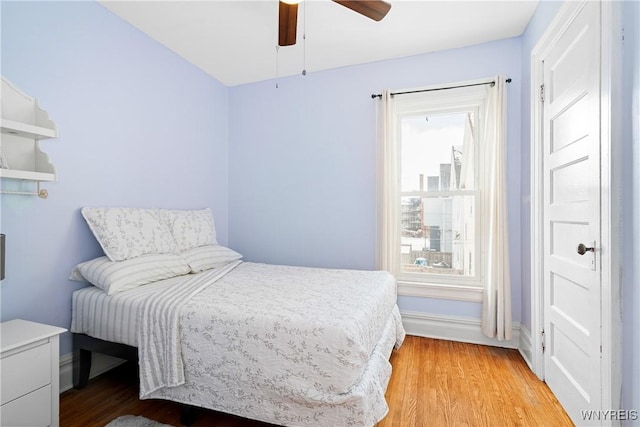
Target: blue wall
(302,161)
(138,126)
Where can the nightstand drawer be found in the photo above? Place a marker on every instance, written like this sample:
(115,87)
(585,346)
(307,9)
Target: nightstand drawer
(25,371)
(31,410)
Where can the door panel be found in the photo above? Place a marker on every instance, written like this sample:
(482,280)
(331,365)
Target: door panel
(572,215)
(570,359)
(571,125)
(563,249)
(568,297)
(565,188)
(572,51)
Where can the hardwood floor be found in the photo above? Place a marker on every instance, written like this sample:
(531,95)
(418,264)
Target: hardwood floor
(446,383)
(434,383)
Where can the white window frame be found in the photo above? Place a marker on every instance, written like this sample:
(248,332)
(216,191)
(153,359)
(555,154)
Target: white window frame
(441,100)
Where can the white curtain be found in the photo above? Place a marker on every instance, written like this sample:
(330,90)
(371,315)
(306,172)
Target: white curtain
(388,164)
(496,307)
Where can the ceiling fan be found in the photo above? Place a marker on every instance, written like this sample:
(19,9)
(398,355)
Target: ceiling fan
(288,15)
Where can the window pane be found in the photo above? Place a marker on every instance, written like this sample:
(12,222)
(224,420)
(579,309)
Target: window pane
(438,235)
(437,152)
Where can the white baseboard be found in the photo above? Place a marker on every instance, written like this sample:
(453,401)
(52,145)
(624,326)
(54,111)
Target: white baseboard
(454,328)
(100,363)
(525,345)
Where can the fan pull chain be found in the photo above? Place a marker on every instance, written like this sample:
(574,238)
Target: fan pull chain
(304,55)
(304,39)
(277,60)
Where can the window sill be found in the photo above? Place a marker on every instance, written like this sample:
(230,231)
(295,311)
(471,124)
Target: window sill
(432,290)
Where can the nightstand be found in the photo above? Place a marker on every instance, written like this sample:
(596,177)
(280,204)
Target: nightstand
(29,365)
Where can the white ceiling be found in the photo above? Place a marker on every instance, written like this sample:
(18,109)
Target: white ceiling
(235,41)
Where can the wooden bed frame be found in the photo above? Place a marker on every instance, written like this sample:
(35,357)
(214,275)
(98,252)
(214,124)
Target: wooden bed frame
(84,345)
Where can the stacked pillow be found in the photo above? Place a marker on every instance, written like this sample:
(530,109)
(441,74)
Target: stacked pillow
(118,276)
(146,245)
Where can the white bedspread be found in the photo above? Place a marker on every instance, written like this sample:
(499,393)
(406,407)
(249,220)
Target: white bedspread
(159,346)
(287,345)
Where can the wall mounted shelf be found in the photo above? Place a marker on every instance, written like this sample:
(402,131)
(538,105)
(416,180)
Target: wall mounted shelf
(10,127)
(23,125)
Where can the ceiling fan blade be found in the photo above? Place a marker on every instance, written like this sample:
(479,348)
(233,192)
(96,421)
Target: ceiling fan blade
(287,24)
(374,9)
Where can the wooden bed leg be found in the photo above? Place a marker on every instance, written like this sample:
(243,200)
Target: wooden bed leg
(187,415)
(81,367)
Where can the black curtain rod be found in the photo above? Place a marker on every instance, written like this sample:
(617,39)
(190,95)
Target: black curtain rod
(379,95)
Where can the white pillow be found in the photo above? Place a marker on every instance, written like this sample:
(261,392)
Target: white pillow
(118,276)
(126,233)
(190,228)
(208,257)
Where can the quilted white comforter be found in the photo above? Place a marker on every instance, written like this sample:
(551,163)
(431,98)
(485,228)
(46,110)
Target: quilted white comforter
(287,345)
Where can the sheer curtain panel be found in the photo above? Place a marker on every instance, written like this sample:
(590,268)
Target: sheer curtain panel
(496,306)
(388,158)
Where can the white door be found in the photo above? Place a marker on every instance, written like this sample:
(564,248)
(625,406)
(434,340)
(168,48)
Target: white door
(571,167)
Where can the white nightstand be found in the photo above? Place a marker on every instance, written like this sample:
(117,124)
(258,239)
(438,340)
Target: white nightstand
(29,365)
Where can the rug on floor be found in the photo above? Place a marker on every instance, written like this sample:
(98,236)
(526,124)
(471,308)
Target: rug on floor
(135,421)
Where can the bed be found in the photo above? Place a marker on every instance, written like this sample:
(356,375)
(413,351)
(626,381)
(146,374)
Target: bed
(287,345)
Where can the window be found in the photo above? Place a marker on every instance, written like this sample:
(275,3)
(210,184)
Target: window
(437,246)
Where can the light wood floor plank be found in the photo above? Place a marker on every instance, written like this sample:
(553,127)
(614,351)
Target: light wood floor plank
(434,383)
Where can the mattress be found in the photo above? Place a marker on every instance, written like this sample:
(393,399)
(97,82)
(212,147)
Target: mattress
(113,318)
